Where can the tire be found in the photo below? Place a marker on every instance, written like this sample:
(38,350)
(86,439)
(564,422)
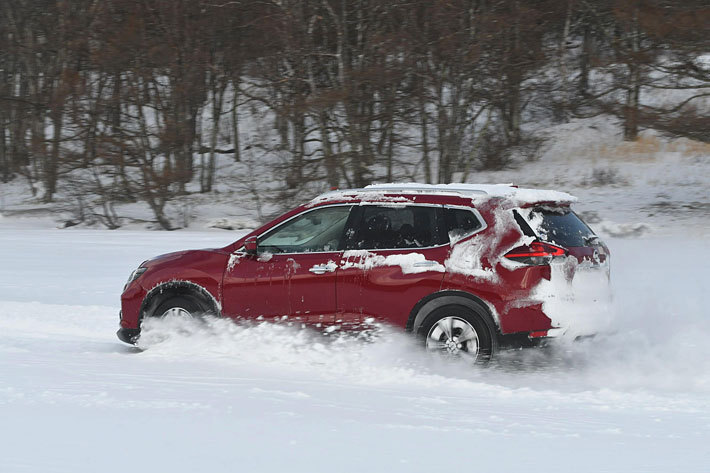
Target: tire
(458,332)
(180,306)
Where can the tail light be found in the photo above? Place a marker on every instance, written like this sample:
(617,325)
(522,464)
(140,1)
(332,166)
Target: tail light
(536,253)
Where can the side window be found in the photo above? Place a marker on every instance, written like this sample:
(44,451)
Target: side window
(383,227)
(315,230)
(460,222)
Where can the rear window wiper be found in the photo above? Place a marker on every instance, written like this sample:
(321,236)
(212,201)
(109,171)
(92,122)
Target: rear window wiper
(590,240)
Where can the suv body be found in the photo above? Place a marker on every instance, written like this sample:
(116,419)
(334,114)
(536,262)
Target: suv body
(403,254)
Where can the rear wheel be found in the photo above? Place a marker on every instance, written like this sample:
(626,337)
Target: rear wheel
(457,332)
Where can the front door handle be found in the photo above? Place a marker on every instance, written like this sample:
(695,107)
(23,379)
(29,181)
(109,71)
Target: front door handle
(323,268)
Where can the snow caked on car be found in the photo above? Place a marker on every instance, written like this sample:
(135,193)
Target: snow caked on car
(466,268)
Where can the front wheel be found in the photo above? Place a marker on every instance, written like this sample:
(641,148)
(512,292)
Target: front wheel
(457,332)
(182,307)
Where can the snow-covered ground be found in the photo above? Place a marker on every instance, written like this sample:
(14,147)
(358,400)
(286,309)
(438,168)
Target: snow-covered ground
(223,397)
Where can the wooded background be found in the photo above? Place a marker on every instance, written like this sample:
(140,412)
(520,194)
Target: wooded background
(140,97)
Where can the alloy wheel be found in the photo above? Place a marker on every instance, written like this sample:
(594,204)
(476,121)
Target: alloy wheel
(455,337)
(177,312)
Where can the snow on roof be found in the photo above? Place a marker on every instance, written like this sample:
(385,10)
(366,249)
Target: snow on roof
(475,191)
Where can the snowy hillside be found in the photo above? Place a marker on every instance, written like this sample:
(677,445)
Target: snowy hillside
(624,188)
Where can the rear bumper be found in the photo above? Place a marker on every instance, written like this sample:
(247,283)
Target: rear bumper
(550,333)
(128,335)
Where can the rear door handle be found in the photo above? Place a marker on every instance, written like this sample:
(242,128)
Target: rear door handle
(424,264)
(323,268)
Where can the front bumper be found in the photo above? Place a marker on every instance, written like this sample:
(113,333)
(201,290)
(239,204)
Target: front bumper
(129,335)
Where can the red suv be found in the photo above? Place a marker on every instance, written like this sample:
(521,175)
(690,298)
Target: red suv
(465,267)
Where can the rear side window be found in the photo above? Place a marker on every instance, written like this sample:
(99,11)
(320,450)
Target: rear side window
(559,226)
(381,227)
(460,222)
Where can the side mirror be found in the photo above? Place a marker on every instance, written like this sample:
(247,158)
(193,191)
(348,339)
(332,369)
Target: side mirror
(250,245)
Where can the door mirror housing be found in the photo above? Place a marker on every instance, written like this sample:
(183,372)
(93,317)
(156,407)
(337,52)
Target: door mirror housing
(250,245)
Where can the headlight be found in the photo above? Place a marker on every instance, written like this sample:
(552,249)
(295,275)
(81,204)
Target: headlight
(135,275)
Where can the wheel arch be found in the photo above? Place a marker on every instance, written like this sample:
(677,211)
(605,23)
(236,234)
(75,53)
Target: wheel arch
(165,290)
(443,298)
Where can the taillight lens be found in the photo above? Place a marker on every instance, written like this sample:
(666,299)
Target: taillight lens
(536,253)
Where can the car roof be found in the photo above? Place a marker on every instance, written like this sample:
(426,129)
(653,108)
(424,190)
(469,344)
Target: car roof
(398,192)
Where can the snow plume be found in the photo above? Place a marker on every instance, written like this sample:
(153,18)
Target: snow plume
(657,329)
(578,296)
(651,349)
(376,356)
(372,356)
(581,306)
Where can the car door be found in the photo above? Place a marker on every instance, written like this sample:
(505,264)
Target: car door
(294,271)
(394,257)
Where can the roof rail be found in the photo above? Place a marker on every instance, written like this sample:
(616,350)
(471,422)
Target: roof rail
(508,191)
(454,188)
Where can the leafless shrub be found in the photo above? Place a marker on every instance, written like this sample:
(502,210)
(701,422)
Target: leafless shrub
(604,176)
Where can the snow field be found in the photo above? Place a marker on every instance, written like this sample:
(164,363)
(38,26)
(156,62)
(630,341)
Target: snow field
(219,396)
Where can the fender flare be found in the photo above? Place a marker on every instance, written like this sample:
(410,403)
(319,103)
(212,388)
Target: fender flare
(164,290)
(443,298)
